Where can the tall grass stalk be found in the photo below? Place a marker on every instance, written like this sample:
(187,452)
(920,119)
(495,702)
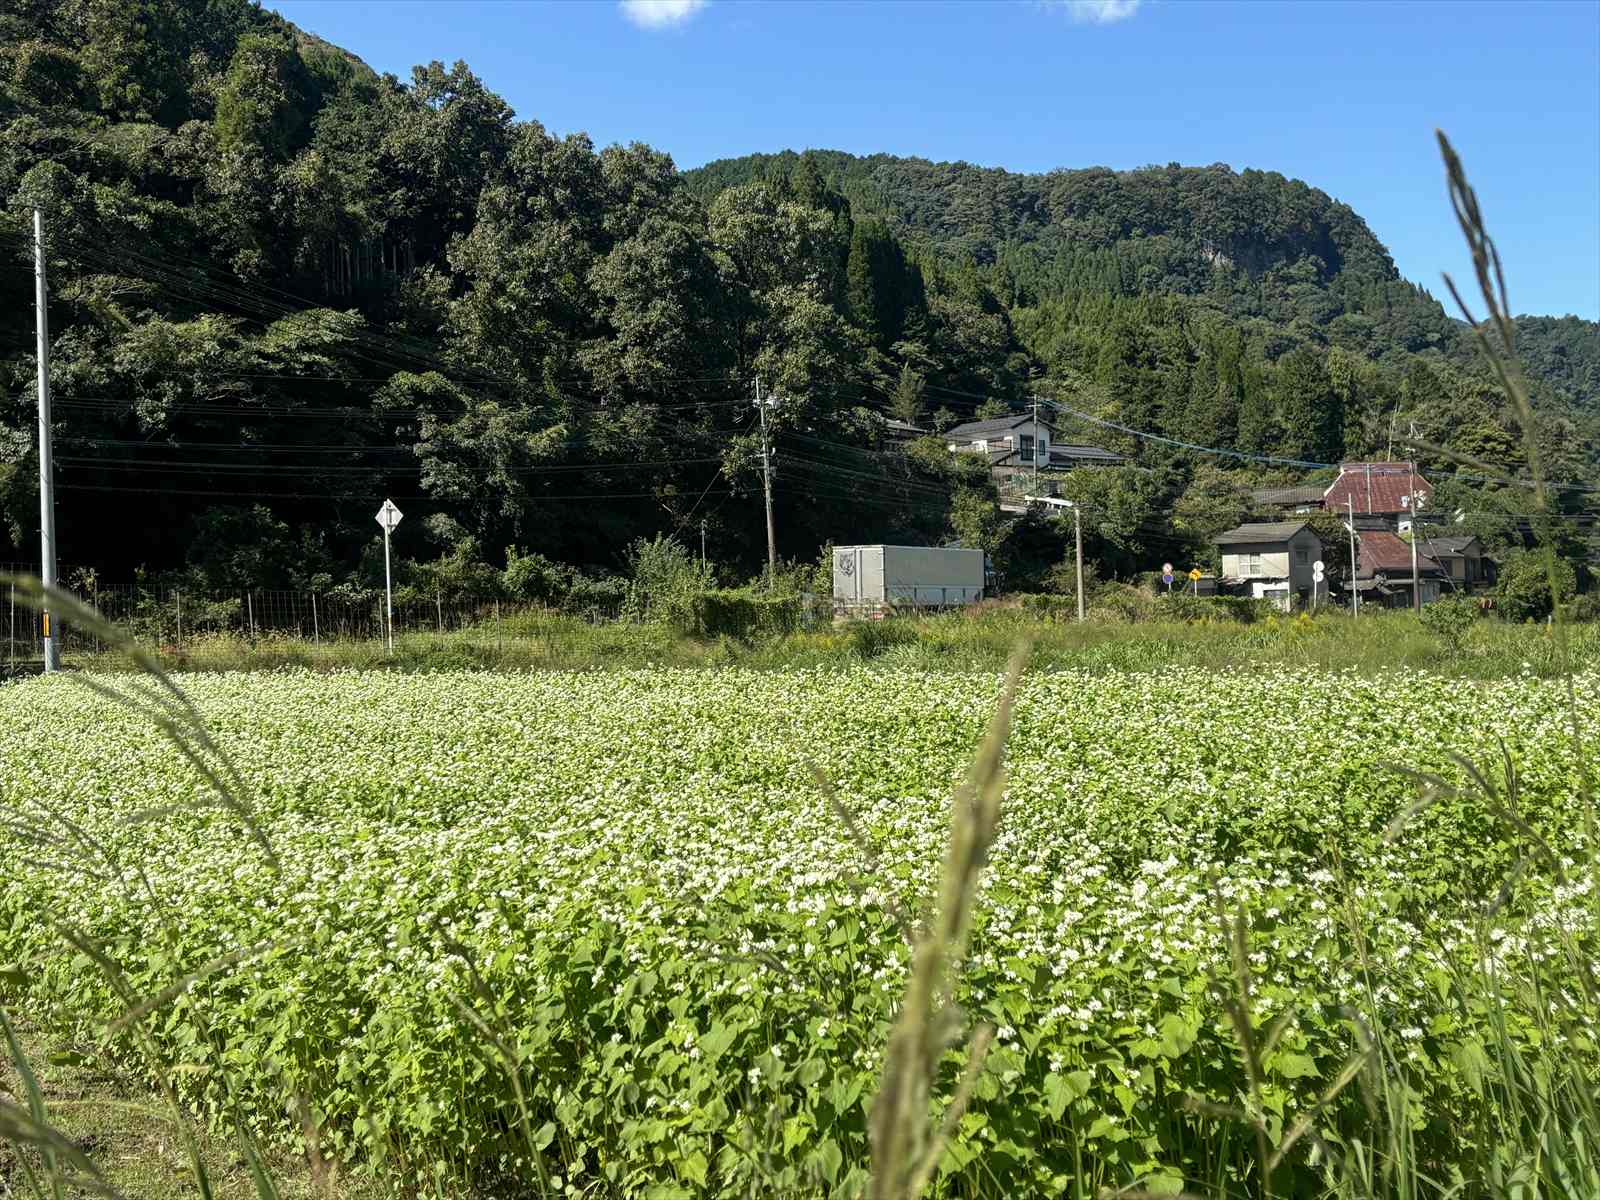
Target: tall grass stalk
(151,693)
(905,1148)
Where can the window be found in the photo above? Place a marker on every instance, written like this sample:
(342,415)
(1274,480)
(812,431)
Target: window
(1302,555)
(1252,564)
(1027,446)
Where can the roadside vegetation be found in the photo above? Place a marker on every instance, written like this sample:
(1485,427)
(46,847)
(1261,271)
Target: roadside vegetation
(1470,647)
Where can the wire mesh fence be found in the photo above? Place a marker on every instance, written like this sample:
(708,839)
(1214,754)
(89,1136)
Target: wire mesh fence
(170,618)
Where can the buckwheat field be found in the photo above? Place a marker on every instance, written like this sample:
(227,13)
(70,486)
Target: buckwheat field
(1224,912)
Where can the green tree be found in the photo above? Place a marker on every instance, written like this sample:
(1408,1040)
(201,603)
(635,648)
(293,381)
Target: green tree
(908,403)
(1215,500)
(1522,593)
(262,101)
(876,284)
(1311,412)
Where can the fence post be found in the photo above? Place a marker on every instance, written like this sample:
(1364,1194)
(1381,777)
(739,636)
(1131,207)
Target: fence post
(316,633)
(438,603)
(95,591)
(250,613)
(179,642)
(498,648)
(12,640)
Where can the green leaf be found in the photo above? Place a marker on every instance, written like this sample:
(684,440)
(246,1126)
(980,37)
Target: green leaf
(693,1166)
(829,1159)
(1295,1066)
(715,1041)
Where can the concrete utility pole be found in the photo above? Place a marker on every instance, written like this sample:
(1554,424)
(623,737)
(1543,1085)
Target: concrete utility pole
(47,483)
(1416,532)
(1416,527)
(1077,538)
(1036,445)
(1355,594)
(702,541)
(766,486)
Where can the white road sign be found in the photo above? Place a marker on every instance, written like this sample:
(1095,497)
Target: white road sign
(1317,569)
(389,516)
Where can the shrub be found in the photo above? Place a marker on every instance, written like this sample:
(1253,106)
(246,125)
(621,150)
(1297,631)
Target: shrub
(1243,610)
(1449,619)
(1583,609)
(1047,607)
(869,639)
(742,615)
(535,577)
(1524,588)
(666,580)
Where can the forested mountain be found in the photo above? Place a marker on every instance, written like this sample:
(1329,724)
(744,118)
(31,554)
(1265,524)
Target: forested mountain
(285,286)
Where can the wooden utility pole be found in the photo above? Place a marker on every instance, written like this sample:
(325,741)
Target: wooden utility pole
(766,486)
(47,485)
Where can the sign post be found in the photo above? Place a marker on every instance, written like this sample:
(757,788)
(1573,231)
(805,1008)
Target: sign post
(1194,577)
(1166,576)
(1317,574)
(388,516)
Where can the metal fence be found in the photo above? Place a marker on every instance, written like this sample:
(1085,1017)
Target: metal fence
(169,618)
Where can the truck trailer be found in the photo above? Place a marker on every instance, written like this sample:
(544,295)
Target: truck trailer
(866,577)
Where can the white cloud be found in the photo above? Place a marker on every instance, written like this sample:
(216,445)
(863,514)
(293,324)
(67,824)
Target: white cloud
(661,14)
(1099,12)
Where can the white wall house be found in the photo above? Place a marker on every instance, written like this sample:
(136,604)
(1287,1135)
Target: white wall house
(1273,560)
(1028,439)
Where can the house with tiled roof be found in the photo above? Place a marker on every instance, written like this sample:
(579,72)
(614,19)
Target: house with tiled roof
(1383,574)
(1390,491)
(1289,499)
(1461,556)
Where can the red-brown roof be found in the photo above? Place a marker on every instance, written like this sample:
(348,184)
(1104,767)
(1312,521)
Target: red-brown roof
(1379,487)
(1390,554)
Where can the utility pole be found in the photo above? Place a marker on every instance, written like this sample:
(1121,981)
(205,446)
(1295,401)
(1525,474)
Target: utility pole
(1077,538)
(1416,531)
(766,486)
(1416,526)
(47,485)
(1355,594)
(1036,445)
(702,542)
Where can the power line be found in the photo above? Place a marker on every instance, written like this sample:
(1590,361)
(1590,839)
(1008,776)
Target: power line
(322,469)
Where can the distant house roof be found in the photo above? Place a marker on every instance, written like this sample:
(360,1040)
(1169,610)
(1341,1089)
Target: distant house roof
(972,431)
(1376,487)
(1262,531)
(1452,546)
(903,428)
(1288,495)
(1389,554)
(1060,453)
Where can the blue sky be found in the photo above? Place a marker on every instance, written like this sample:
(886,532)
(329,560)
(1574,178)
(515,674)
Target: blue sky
(1343,95)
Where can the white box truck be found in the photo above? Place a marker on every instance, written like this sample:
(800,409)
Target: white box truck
(923,576)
